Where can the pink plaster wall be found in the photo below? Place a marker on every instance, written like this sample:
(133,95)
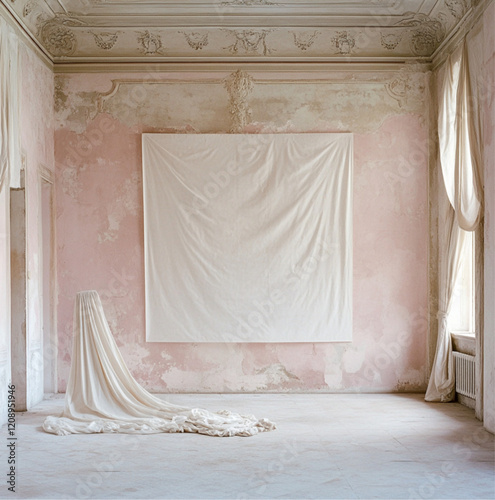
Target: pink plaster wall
(100,232)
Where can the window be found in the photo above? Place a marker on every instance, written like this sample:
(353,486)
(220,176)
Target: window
(461,316)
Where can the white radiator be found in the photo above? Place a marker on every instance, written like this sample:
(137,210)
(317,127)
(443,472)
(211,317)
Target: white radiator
(465,369)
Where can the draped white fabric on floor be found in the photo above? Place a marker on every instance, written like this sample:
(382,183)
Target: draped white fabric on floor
(102,395)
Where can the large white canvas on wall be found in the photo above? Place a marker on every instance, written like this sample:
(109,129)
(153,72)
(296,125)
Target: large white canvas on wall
(248,238)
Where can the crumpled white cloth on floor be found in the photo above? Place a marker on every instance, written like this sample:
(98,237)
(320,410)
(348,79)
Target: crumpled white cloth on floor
(102,395)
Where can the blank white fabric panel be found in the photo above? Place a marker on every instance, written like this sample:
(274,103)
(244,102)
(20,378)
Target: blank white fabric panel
(248,238)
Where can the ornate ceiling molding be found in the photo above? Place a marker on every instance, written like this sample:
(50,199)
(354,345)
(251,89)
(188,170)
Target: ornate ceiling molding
(57,35)
(323,69)
(238,31)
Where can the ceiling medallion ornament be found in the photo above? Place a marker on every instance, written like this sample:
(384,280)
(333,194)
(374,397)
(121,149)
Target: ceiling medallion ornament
(150,43)
(251,41)
(304,40)
(57,36)
(344,42)
(457,8)
(195,40)
(105,40)
(239,85)
(390,41)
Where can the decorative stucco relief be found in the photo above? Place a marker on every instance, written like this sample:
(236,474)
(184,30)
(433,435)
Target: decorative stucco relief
(58,37)
(457,7)
(196,40)
(408,87)
(304,40)
(425,34)
(239,85)
(106,39)
(243,31)
(390,40)
(250,41)
(28,8)
(151,43)
(344,42)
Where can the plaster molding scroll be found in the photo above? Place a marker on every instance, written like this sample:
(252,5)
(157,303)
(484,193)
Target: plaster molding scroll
(344,42)
(106,39)
(426,32)
(58,37)
(250,41)
(196,40)
(102,97)
(408,86)
(391,40)
(304,40)
(151,43)
(457,8)
(239,85)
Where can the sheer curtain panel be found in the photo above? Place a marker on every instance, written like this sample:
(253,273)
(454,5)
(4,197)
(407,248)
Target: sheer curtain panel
(459,145)
(9,107)
(460,160)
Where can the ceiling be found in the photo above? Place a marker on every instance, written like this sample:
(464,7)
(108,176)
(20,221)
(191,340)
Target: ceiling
(70,31)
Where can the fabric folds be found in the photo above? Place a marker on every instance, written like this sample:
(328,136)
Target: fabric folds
(441,386)
(460,159)
(460,156)
(10,156)
(103,396)
(248,237)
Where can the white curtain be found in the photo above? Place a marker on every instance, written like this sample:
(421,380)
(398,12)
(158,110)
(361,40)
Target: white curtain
(459,145)
(460,159)
(441,386)
(10,162)
(102,395)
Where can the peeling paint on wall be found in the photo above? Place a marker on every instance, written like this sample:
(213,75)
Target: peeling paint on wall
(98,150)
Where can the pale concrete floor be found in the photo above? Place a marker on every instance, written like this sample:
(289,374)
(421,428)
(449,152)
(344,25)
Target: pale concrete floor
(326,446)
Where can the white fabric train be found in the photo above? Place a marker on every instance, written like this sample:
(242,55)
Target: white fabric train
(102,395)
